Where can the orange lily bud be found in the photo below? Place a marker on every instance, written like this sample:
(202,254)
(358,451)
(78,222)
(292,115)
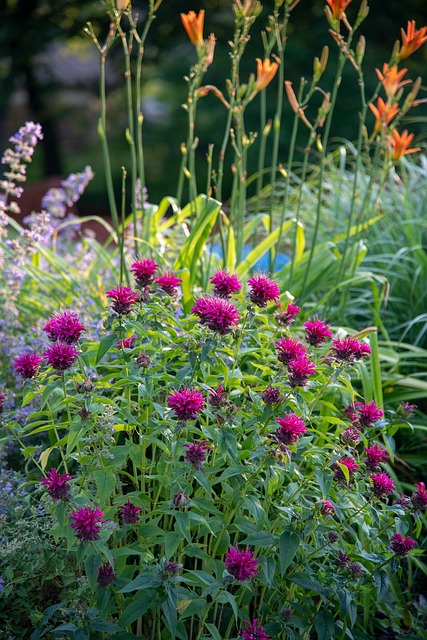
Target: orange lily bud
(122,5)
(338,7)
(266,70)
(193,24)
(412,39)
(296,108)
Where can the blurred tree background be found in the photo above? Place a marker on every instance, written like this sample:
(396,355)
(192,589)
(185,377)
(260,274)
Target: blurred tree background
(49,73)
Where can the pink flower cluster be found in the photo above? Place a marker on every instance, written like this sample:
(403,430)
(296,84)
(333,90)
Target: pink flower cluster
(225,284)
(87,523)
(293,354)
(263,290)
(241,564)
(291,429)
(186,404)
(217,314)
(57,486)
(144,272)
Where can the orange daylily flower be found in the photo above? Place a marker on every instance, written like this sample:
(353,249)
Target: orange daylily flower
(399,144)
(266,70)
(384,112)
(412,39)
(193,24)
(338,7)
(391,79)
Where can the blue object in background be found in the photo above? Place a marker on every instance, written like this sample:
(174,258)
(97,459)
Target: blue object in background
(263,263)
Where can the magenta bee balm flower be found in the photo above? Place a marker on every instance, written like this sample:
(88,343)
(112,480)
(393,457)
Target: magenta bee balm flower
(351,466)
(186,403)
(401,546)
(64,326)
(419,497)
(299,370)
(123,298)
(374,456)
(383,485)
(87,523)
(271,395)
(263,290)
(253,631)
(217,314)
(289,349)
(144,272)
(225,284)
(291,429)
(168,282)
(126,343)
(61,355)
(287,317)
(368,413)
(196,453)
(57,485)
(27,365)
(317,332)
(241,564)
(327,508)
(129,513)
(105,575)
(349,349)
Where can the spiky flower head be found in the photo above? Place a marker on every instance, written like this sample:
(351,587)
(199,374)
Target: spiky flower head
(87,523)
(317,332)
(57,486)
(168,282)
(27,365)
(144,272)
(225,284)
(333,537)
(186,404)
(65,326)
(299,370)
(289,349)
(374,456)
(368,413)
(253,631)
(419,497)
(401,546)
(196,453)
(105,575)
(342,560)
(349,349)
(126,343)
(217,314)
(171,569)
(383,485)
(405,410)
(355,569)
(61,355)
(351,465)
(350,436)
(290,430)
(263,290)
(218,398)
(327,508)
(241,564)
(129,513)
(287,317)
(271,395)
(123,298)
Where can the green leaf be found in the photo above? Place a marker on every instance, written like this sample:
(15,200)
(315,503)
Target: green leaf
(142,582)
(172,540)
(260,539)
(381,582)
(324,625)
(288,546)
(324,479)
(92,564)
(104,346)
(170,611)
(256,254)
(105,626)
(139,604)
(105,484)
(183,524)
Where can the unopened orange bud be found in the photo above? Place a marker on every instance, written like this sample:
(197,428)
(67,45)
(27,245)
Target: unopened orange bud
(266,70)
(193,24)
